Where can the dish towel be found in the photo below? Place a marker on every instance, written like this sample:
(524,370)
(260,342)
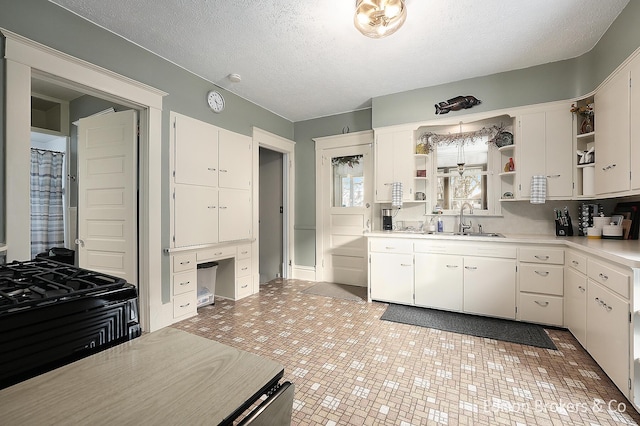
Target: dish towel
(538,189)
(396,194)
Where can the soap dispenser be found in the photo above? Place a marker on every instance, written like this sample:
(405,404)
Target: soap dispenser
(440,224)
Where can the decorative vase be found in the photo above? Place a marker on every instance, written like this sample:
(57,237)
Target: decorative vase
(586,126)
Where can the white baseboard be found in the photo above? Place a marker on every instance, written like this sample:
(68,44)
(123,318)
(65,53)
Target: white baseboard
(307,273)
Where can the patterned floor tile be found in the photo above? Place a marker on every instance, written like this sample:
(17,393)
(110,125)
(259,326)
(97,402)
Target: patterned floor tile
(349,367)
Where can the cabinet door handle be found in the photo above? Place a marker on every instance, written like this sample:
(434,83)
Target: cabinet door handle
(542,273)
(223,170)
(582,289)
(184,306)
(553,176)
(471,268)
(452,266)
(211,169)
(185,262)
(211,207)
(541,257)
(244,269)
(185,283)
(217,254)
(575,262)
(223,207)
(603,276)
(244,286)
(389,248)
(543,304)
(406,264)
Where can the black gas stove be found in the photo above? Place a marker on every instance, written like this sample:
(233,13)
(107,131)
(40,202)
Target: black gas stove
(53,313)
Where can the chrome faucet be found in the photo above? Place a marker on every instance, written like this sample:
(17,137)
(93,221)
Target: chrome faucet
(463,226)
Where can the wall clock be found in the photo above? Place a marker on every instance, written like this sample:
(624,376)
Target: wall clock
(215,101)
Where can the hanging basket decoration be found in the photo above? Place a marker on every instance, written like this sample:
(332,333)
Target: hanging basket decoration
(349,160)
(494,135)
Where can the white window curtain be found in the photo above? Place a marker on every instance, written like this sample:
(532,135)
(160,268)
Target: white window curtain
(47,221)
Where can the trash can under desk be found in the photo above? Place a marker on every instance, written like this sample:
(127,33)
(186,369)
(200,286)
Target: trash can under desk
(207,283)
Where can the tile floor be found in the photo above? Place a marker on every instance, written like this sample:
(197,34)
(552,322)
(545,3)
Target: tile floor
(349,367)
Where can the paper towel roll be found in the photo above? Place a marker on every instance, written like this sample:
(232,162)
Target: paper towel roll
(588,181)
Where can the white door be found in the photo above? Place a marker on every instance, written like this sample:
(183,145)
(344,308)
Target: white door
(345,182)
(107,210)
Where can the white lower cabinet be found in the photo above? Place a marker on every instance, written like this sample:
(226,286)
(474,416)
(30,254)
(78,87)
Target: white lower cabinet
(489,287)
(541,285)
(575,304)
(438,281)
(391,277)
(608,333)
(183,285)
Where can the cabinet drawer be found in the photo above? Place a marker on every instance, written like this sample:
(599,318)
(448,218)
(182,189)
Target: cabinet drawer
(216,253)
(184,304)
(184,282)
(491,250)
(542,255)
(244,251)
(576,261)
(391,245)
(610,276)
(184,262)
(547,279)
(439,247)
(243,287)
(243,267)
(541,309)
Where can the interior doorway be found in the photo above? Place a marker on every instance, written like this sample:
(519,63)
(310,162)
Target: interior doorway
(271,220)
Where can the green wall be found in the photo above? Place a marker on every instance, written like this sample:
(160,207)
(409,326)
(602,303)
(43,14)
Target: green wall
(305,205)
(544,83)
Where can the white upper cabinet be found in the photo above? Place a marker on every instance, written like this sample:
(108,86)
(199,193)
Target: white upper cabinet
(545,148)
(195,215)
(211,189)
(612,165)
(234,209)
(394,162)
(196,152)
(234,152)
(635,123)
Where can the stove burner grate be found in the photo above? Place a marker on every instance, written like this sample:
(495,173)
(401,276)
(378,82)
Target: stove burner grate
(39,281)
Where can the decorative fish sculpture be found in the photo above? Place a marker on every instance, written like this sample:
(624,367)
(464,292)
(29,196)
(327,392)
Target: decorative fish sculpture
(456,104)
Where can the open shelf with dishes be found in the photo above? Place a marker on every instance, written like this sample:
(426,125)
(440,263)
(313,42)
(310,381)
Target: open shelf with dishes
(507,176)
(422,178)
(585,147)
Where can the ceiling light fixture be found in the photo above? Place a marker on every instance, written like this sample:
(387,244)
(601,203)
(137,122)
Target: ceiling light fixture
(379,18)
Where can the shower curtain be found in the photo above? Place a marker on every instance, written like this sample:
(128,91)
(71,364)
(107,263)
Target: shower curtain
(47,220)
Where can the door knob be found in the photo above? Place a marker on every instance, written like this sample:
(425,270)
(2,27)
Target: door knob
(79,242)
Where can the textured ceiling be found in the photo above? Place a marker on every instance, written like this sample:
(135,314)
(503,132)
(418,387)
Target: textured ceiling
(304,59)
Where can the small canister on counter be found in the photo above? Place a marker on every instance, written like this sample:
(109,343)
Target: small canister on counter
(594,233)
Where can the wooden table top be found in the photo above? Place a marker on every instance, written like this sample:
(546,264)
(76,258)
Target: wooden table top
(168,377)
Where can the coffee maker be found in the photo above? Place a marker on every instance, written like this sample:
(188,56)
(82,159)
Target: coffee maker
(387,224)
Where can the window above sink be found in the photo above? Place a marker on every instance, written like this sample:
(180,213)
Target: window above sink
(466,163)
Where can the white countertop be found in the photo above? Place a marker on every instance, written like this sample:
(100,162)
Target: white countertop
(624,252)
